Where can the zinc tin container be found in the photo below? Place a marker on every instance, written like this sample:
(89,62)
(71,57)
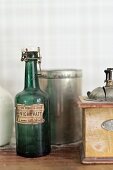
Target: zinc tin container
(63,87)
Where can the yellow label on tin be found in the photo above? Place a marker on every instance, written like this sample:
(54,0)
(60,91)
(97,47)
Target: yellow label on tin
(29,114)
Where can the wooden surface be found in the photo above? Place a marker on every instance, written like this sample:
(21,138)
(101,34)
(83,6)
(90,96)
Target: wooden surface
(61,158)
(98,141)
(84,102)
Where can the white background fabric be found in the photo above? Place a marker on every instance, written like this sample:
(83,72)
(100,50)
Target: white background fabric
(74,34)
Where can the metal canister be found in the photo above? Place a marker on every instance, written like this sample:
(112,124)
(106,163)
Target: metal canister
(63,87)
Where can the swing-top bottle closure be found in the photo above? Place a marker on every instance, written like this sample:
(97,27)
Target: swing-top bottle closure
(25,56)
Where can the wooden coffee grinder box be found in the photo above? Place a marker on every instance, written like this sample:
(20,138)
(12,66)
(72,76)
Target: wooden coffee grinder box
(97,124)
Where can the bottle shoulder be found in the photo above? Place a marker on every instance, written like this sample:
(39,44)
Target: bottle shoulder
(32,92)
(31,96)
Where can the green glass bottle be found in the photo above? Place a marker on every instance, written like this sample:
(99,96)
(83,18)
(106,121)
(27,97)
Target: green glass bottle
(32,112)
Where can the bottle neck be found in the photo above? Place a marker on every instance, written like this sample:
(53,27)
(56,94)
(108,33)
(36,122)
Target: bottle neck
(31,75)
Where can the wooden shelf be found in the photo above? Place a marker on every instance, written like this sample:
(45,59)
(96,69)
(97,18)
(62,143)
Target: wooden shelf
(61,158)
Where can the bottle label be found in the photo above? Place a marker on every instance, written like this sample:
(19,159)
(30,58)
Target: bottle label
(29,114)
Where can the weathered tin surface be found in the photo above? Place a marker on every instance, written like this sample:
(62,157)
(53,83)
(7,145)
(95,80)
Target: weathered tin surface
(63,87)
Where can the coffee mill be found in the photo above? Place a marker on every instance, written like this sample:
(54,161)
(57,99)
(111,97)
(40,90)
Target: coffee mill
(97,112)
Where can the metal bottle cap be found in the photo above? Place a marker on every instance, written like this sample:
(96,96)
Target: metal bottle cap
(31,55)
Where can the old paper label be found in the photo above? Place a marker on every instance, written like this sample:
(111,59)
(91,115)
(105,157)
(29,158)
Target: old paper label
(29,114)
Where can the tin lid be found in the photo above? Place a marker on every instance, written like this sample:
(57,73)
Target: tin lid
(61,74)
